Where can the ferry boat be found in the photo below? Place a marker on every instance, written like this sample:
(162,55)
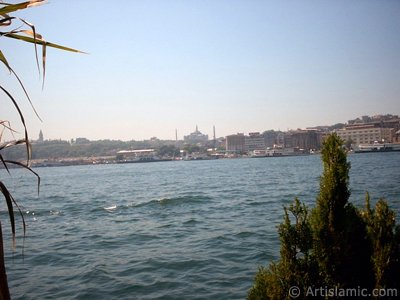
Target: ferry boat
(278,151)
(138,156)
(258,153)
(282,151)
(377,147)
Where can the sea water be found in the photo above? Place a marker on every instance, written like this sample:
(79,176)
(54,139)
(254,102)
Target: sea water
(165,230)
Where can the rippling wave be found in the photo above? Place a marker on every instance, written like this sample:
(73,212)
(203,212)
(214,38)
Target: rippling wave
(171,230)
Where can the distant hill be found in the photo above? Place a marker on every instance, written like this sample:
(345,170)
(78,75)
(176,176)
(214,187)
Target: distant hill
(63,149)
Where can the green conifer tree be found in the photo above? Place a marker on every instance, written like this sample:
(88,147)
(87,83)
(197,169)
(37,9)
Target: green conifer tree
(341,248)
(336,245)
(384,237)
(297,266)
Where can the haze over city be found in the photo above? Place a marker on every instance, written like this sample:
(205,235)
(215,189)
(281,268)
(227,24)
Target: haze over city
(243,66)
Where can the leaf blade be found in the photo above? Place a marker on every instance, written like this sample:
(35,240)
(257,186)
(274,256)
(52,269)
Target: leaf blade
(41,42)
(4,61)
(8,8)
(9,200)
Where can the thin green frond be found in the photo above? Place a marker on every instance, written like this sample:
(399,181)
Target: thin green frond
(26,94)
(3,162)
(6,20)
(11,144)
(17,163)
(28,145)
(44,63)
(40,42)
(9,200)
(8,8)
(35,36)
(4,60)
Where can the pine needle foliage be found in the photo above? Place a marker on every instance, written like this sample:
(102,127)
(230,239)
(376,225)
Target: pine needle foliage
(335,244)
(384,237)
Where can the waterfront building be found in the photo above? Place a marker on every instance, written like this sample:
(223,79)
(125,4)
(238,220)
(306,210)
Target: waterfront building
(280,138)
(270,138)
(235,143)
(254,141)
(221,143)
(307,139)
(196,137)
(397,136)
(287,140)
(367,130)
(366,133)
(303,139)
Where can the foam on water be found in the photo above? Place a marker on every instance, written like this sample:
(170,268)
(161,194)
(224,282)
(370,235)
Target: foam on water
(111,208)
(172,230)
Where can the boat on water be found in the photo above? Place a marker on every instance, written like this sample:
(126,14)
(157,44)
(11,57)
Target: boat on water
(141,160)
(278,151)
(377,147)
(285,151)
(258,153)
(139,156)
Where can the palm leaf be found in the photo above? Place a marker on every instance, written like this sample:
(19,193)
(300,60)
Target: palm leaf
(40,42)
(22,5)
(43,63)
(9,200)
(25,167)
(6,125)
(11,144)
(28,146)
(8,145)
(4,164)
(26,94)
(35,35)
(4,60)
(6,21)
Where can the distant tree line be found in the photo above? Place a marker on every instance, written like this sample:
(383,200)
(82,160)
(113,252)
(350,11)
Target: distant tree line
(53,149)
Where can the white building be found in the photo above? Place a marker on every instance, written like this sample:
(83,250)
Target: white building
(254,141)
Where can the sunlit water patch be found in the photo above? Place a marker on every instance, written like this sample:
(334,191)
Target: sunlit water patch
(170,230)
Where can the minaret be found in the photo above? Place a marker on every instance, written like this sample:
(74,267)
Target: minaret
(176,135)
(215,140)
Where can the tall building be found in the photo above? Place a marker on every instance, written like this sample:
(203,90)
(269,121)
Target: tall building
(235,143)
(303,139)
(40,139)
(280,138)
(254,141)
(270,138)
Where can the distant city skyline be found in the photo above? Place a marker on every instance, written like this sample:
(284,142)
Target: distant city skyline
(198,135)
(243,66)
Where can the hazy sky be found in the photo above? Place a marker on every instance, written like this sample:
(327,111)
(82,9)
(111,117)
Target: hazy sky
(242,66)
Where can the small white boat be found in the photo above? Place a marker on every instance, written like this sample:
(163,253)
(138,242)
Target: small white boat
(377,147)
